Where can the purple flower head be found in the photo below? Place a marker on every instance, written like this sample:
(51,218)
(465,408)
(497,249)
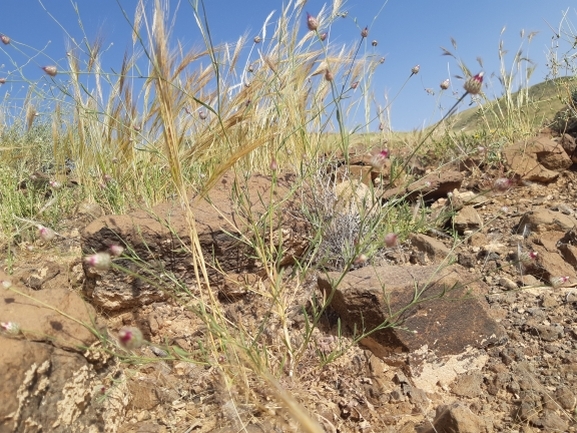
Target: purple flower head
(474,84)
(130,337)
(312,23)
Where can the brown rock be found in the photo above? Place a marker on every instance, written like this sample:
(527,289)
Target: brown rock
(159,242)
(565,121)
(36,275)
(446,326)
(542,220)
(467,219)
(468,385)
(144,395)
(565,397)
(455,418)
(41,323)
(550,266)
(431,187)
(44,386)
(569,145)
(551,422)
(435,250)
(537,160)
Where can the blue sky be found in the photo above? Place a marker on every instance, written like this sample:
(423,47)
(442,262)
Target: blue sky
(408,32)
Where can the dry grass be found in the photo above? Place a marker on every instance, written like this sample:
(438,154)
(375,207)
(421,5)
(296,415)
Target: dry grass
(206,111)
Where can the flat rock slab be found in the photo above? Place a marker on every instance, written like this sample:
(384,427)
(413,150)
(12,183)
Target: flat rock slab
(44,382)
(40,323)
(542,220)
(431,187)
(367,298)
(158,242)
(537,160)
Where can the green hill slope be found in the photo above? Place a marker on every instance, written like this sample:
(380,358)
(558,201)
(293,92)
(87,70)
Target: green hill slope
(530,107)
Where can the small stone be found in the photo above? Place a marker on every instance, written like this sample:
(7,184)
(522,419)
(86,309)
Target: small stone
(565,397)
(468,385)
(552,422)
(467,219)
(507,284)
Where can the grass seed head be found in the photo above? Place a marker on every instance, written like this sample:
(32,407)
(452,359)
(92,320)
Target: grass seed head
(365,32)
(474,84)
(329,75)
(5,39)
(415,69)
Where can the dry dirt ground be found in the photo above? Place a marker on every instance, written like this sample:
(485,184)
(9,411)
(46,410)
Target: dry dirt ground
(520,377)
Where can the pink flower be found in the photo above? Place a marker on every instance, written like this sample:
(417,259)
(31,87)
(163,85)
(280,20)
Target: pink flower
(273,165)
(361,260)
(9,328)
(329,75)
(558,281)
(5,39)
(257,40)
(378,159)
(45,233)
(474,84)
(527,258)
(50,70)
(2,80)
(130,337)
(98,390)
(445,84)
(391,239)
(415,69)
(312,23)
(365,32)
(99,261)
(323,36)
(374,43)
(116,250)
(503,184)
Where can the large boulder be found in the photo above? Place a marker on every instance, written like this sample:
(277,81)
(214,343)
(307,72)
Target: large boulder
(441,308)
(46,383)
(158,257)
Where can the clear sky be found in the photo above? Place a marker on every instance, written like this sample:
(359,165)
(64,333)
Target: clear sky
(408,32)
